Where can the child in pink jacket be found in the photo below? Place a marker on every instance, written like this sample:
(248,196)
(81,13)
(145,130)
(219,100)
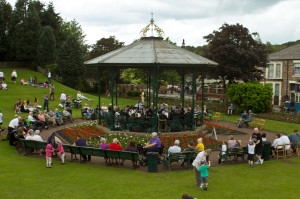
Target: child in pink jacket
(61,152)
(49,150)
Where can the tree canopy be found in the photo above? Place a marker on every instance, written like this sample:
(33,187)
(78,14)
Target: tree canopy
(238,52)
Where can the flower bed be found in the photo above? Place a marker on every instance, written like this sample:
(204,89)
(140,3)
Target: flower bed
(283,117)
(93,135)
(221,129)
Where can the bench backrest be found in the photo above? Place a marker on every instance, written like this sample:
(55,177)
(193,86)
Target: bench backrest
(75,149)
(128,155)
(112,154)
(86,150)
(99,152)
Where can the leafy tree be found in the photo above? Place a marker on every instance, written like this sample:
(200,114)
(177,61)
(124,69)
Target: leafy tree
(105,45)
(70,62)
(5,17)
(237,52)
(252,95)
(47,47)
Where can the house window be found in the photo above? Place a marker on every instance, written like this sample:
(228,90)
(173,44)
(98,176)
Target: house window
(271,71)
(297,68)
(277,87)
(278,70)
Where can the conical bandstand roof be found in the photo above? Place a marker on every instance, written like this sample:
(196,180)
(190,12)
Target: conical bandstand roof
(152,51)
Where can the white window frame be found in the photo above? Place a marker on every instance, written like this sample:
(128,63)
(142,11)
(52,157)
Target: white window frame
(275,70)
(296,62)
(273,92)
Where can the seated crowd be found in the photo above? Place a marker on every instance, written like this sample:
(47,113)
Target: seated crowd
(139,111)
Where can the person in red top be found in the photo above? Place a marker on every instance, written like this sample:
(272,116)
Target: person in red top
(117,147)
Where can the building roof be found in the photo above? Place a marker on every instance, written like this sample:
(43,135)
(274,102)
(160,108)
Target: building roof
(289,53)
(150,51)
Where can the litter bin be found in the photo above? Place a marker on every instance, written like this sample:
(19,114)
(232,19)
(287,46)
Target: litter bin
(152,161)
(266,150)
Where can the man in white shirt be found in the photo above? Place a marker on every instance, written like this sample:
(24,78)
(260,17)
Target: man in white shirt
(139,105)
(63,99)
(37,136)
(49,77)
(13,125)
(285,140)
(196,163)
(30,117)
(277,141)
(175,148)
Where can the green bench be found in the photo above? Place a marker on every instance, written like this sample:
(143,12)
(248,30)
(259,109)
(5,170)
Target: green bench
(233,152)
(31,144)
(73,150)
(105,153)
(186,157)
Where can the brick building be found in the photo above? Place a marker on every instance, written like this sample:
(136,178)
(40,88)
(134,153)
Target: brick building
(283,72)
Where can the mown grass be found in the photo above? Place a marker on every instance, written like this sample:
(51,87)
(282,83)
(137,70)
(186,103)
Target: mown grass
(270,125)
(15,91)
(26,177)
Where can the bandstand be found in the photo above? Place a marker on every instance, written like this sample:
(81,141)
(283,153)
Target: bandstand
(153,55)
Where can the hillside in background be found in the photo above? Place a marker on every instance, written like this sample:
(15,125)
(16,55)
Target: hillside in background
(15,91)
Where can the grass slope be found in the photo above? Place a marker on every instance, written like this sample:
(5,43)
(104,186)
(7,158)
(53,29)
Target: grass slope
(25,177)
(9,97)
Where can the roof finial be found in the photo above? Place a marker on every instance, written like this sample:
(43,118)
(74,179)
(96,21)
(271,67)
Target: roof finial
(152,26)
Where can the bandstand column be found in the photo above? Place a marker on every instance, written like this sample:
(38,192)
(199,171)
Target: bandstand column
(112,83)
(202,105)
(154,93)
(193,102)
(116,92)
(99,94)
(182,89)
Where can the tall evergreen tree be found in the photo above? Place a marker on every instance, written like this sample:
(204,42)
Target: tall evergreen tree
(5,17)
(33,29)
(47,47)
(70,62)
(17,29)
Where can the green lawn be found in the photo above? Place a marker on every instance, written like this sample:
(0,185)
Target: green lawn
(270,125)
(25,177)
(9,97)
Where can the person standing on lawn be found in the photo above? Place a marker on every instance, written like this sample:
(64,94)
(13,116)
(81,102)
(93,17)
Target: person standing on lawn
(46,102)
(49,151)
(61,152)
(204,174)
(197,162)
(251,152)
(49,77)
(257,139)
(52,90)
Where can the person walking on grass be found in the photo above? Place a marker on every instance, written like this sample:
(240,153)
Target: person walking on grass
(46,102)
(257,139)
(197,163)
(49,151)
(61,152)
(204,174)
(1,130)
(251,152)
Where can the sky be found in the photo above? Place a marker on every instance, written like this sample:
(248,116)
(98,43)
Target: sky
(276,21)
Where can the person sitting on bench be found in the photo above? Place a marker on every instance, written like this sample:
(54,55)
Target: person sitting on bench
(246,121)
